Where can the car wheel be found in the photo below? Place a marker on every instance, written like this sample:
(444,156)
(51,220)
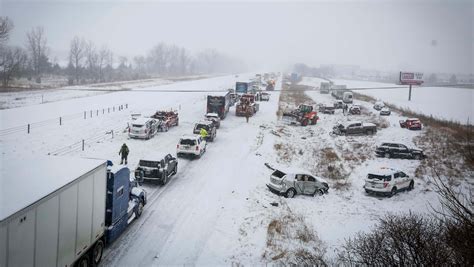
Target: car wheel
(290,193)
(387,155)
(165,178)
(314,121)
(411,186)
(139,209)
(393,192)
(97,252)
(175,170)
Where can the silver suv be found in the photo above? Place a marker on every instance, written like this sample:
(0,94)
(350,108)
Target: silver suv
(388,182)
(290,183)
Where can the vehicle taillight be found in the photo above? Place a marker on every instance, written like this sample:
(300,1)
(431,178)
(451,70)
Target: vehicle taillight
(385,184)
(177,146)
(197,148)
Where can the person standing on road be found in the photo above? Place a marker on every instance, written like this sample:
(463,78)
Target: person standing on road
(248,112)
(203,133)
(344,109)
(124,153)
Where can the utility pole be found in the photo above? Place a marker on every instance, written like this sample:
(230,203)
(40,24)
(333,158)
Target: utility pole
(409,94)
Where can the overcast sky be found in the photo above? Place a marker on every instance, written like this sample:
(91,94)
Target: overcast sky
(389,35)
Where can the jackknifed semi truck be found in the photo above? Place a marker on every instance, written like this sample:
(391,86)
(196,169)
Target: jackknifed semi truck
(61,211)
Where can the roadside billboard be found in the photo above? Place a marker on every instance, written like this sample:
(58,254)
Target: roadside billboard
(413,78)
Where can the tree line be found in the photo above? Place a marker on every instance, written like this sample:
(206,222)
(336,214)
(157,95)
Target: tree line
(90,63)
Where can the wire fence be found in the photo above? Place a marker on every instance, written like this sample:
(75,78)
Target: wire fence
(28,128)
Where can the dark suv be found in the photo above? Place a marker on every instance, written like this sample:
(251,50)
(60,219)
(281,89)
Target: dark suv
(159,169)
(395,150)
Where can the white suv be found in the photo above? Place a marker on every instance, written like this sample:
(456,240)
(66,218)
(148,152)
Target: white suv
(387,181)
(143,128)
(191,145)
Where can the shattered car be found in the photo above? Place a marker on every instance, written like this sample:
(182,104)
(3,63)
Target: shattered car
(290,183)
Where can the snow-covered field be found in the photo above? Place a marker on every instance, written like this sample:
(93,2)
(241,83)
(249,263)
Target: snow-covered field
(216,210)
(442,102)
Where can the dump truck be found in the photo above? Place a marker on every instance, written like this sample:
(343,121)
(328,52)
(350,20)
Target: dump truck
(62,211)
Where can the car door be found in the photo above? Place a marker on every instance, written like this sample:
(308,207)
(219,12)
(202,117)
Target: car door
(299,183)
(310,185)
(398,181)
(405,179)
(403,151)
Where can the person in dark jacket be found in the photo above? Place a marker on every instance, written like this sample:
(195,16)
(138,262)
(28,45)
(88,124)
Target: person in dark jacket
(124,152)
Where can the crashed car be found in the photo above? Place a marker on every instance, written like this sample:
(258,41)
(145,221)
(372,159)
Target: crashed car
(411,124)
(157,168)
(354,110)
(354,128)
(395,150)
(388,182)
(264,96)
(214,118)
(338,104)
(385,111)
(290,183)
(326,109)
(378,105)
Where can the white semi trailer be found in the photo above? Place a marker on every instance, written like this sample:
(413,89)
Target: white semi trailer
(58,211)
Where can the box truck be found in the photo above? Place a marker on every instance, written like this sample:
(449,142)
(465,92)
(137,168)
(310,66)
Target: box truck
(219,103)
(60,211)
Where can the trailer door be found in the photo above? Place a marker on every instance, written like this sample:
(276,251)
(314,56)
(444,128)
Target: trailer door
(47,228)
(84,214)
(21,240)
(67,226)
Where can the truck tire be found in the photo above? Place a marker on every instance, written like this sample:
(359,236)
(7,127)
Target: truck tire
(83,261)
(175,170)
(393,192)
(139,209)
(411,186)
(97,252)
(314,121)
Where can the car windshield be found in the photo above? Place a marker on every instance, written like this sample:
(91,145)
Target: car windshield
(189,142)
(379,177)
(137,125)
(149,163)
(200,126)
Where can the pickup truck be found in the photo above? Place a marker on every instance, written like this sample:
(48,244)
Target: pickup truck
(209,127)
(395,150)
(157,168)
(354,128)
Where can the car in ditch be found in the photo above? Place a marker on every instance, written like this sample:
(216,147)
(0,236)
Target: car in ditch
(354,110)
(326,109)
(396,150)
(387,181)
(385,111)
(379,105)
(411,124)
(214,118)
(290,183)
(209,127)
(191,145)
(157,168)
(354,128)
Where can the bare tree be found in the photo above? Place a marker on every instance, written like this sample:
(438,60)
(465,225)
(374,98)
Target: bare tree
(12,61)
(92,58)
(104,59)
(76,56)
(6,25)
(36,44)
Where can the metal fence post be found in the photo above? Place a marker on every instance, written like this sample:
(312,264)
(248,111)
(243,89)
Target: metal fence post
(28,128)
(84,115)
(82,144)
(60,121)
(97,113)
(91,113)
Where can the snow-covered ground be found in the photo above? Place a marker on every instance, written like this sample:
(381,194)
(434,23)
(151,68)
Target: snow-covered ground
(442,102)
(216,210)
